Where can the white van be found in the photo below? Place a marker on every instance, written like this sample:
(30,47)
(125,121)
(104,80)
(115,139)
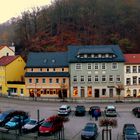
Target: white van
(110,111)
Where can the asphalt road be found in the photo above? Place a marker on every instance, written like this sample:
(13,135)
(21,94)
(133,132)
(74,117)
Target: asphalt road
(73,127)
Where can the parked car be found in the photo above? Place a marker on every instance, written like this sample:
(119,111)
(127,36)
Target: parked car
(136,111)
(130,132)
(32,126)
(51,125)
(64,110)
(110,111)
(80,110)
(89,132)
(17,121)
(7,115)
(95,108)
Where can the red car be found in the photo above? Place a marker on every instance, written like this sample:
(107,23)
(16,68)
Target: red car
(51,125)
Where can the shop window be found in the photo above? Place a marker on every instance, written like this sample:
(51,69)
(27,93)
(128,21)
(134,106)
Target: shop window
(103,91)
(75,91)
(89,91)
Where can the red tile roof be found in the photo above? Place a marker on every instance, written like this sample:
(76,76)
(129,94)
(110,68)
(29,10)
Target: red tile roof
(132,58)
(5,60)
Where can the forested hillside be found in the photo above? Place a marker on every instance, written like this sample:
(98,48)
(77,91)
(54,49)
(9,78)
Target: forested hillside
(68,22)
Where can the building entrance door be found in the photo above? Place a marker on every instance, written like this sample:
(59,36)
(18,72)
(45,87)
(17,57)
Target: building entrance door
(82,92)
(96,93)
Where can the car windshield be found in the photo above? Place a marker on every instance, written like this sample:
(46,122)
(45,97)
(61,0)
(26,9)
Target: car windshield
(131,132)
(62,109)
(2,116)
(32,122)
(111,109)
(15,119)
(47,124)
(89,128)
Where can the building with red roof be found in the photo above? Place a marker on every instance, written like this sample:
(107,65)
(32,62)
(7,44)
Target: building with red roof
(132,75)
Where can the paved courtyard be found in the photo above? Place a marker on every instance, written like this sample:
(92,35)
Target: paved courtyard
(72,128)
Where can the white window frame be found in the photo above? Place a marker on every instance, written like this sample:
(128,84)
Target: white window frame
(74,78)
(111,77)
(128,81)
(89,78)
(114,66)
(82,78)
(89,66)
(96,66)
(118,78)
(96,78)
(128,69)
(78,66)
(103,66)
(103,78)
(134,69)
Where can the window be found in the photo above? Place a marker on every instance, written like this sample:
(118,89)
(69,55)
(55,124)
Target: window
(134,69)
(21,91)
(40,69)
(89,78)
(74,78)
(96,78)
(78,66)
(118,78)
(36,80)
(111,78)
(128,81)
(53,69)
(138,69)
(103,91)
(114,66)
(134,80)
(47,69)
(62,69)
(139,80)
(89,66)
(57,80)
(64,80)
(30,80)
(103,66)
(103,78)
(82,79)
(128,70)
(7,54)
(50,80)
(32,69)
(43,80)
(96,66)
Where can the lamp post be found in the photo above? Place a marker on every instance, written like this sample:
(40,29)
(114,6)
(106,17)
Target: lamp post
(35,94)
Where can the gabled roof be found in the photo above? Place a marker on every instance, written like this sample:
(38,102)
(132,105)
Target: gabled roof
(73,52)
(5,60)
(132,58)
(47,60)
(1,47)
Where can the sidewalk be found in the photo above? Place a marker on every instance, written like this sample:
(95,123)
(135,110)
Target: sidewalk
(76,100)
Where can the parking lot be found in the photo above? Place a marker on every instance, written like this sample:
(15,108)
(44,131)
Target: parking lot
(73,127)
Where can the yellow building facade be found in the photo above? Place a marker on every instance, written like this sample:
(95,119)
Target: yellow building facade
(12,75)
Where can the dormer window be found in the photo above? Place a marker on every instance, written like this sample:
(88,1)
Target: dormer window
(53,60)
(85,55)
(99,55)
(103,55)
(106,55)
